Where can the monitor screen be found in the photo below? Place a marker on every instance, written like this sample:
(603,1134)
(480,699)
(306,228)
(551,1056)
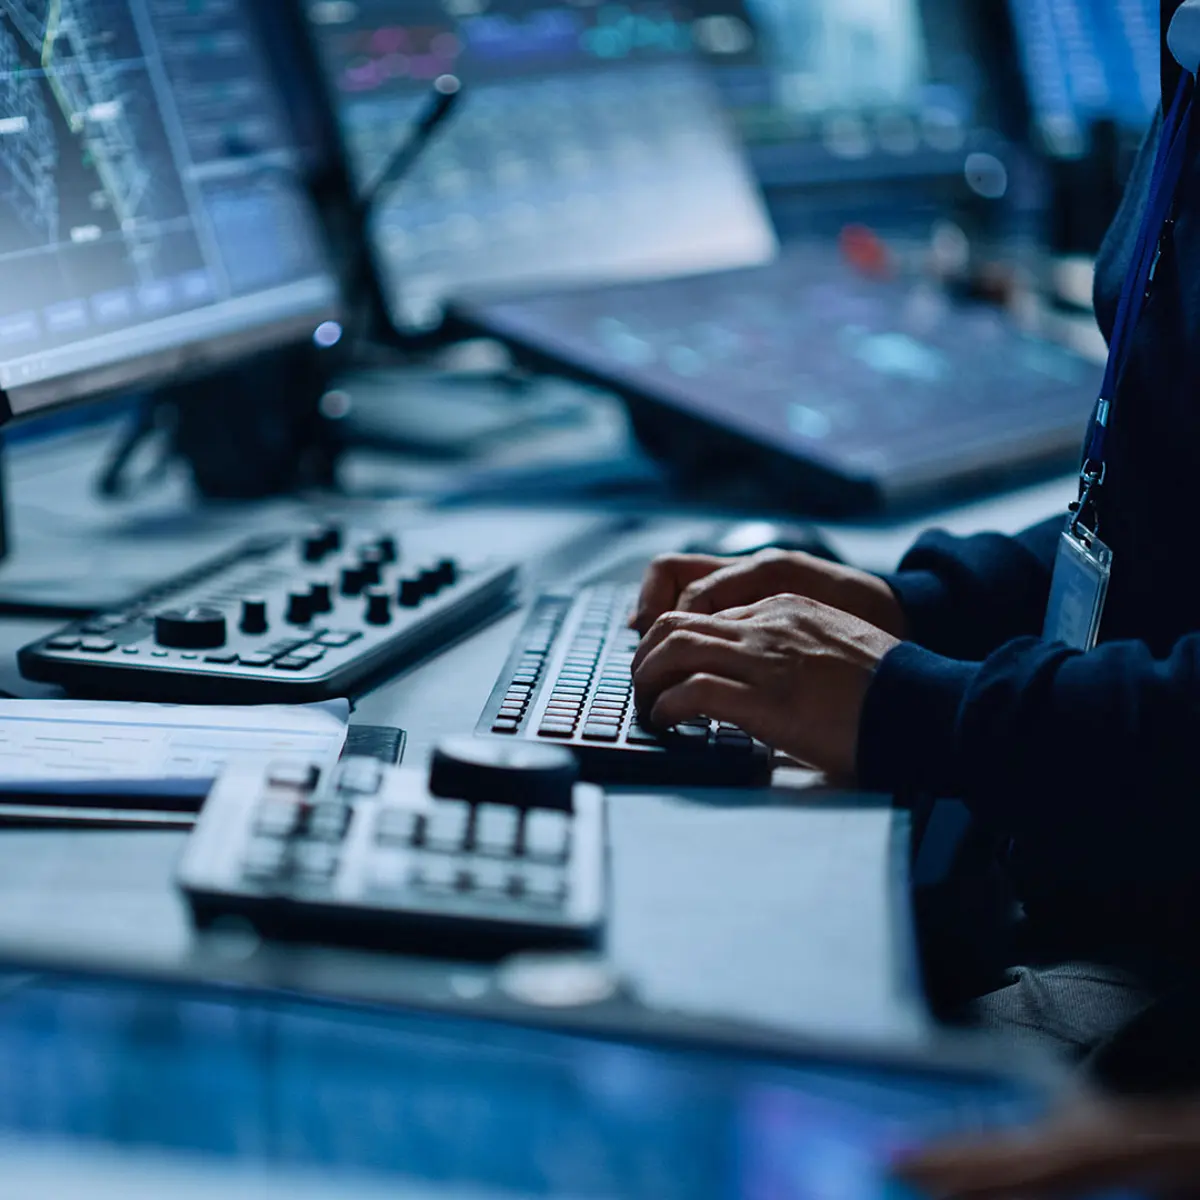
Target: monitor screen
(152,215)
(1087,60)
(824,90)
(458,1106)
(588,145)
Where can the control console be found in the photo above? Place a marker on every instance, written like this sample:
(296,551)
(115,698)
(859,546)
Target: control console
(497,849)
(285,619)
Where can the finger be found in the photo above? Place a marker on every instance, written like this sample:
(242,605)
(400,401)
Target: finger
(687,652)
(665,580)
(676,622)
(709,696)
(740,583)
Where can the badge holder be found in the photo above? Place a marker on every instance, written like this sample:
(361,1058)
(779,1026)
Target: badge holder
(1082,569)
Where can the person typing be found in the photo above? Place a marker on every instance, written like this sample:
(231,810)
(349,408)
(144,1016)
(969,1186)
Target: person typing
(1050,680)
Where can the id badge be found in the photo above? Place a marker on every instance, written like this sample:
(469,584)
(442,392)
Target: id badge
(1078,590)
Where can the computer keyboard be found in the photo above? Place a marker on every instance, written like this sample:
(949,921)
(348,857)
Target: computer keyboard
(287,619)
(568,683)
(493,853)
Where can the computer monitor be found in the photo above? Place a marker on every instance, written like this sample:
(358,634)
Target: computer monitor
(1086,61)
(825,91)
(153,217)
(590,145)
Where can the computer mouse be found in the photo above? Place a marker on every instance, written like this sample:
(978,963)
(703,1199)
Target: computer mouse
(740,538)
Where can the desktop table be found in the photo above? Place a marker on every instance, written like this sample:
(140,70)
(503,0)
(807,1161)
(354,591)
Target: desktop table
(785,907)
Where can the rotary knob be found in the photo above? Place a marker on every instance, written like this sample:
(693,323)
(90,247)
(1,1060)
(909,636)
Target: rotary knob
(371,565)
(254,615)
(411,593)
(379,607)
(353,581)
(299,608)
(314,547)
(195,628)
(521,775)
(320,597)
(387,549)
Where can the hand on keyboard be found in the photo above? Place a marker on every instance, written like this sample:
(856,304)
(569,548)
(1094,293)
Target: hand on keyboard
(787,670)
(697,583)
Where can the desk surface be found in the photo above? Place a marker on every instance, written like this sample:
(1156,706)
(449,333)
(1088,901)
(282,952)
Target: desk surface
(783,907)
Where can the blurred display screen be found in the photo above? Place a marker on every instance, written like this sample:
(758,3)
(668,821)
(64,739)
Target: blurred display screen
(589,144)
(1086,60)
(149,204)
(464,1107)
(824,89)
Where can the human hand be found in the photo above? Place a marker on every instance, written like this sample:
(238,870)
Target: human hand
(700,583)
(788,670)
(1152,1145)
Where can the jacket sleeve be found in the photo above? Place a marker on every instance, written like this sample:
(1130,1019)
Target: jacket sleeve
(1040,737)
(965,597)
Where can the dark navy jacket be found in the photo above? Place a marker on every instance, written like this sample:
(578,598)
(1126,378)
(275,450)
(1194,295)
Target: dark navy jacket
(1086,765)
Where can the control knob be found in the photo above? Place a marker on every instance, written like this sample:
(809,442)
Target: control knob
(254,615)
(299,608)
(314,547)
(411,593)
(353,581)
(388,549)
(379,607)
(195,628)
(522,775)
(371,565)
(320,597)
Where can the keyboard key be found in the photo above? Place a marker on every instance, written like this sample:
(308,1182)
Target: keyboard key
(98,645)
(360,776)
(637,736)
(546,835)
(496,828)
(436,875)
(446,828)
(506,725)
(399,827)
(337,639)
(315,862)
(265,859)
(690,733)
(601,733)
(557,731)
(221,660)
(64,643)
(278,818)
(293,664)
(491,877)
(542,885)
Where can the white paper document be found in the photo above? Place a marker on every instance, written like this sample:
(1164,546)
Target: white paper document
(68,747)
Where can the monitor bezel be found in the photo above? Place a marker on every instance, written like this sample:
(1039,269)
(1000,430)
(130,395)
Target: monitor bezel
(210,352)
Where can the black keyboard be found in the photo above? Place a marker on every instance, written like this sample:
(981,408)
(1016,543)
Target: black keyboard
(288,619)
(568,682)
(484,857)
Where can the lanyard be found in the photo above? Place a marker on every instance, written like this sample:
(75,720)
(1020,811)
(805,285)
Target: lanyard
(1164,182)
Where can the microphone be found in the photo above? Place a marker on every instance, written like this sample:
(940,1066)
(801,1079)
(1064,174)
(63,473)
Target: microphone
(1183,36)
(442,101)
(362,274)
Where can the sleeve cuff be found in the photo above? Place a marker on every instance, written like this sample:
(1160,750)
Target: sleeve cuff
(922,596)
(908,734)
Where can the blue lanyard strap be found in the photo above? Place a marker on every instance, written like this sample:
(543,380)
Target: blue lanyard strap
(1164,183)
